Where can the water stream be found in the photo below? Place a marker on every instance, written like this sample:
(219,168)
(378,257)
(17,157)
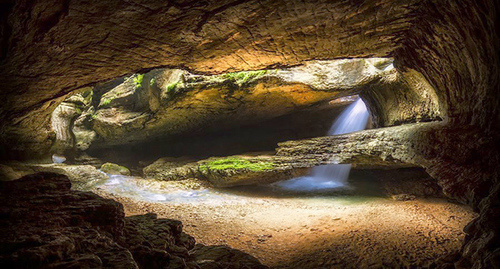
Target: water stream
(332,176)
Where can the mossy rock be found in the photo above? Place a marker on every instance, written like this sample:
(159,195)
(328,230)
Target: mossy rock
(237,170)
(237,163)
(245,170)
(115,169)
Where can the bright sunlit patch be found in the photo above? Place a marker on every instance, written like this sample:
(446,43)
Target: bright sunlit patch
(389,67)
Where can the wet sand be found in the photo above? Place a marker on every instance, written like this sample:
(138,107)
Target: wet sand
(335,231)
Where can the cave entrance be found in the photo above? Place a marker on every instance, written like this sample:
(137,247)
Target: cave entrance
(221,152)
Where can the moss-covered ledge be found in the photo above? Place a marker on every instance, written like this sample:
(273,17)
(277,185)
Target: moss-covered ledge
(227,171)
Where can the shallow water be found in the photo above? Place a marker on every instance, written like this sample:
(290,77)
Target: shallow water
(156,191)
(149,190)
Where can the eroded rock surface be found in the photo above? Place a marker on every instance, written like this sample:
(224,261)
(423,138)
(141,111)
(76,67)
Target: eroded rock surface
(454,44)
(170,102)
(212,36)
(82,177)
(386,148)
(381,147)
(223,257)
(45,225)
(115,169)
(178,103)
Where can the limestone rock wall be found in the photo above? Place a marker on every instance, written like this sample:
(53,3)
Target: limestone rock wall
(406,97)
(455,45)
(171,103)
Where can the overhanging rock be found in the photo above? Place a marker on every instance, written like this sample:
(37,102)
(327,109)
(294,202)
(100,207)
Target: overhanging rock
(376,148)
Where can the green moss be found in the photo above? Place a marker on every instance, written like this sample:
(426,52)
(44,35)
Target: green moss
(138,80)
(106,102)
(172,87)
(244,76)
(152,82)
(115,169)
(236,164)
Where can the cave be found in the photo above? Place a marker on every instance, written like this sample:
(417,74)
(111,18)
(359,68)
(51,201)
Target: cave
(249,134)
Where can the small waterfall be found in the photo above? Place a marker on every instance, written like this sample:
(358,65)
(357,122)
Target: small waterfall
(324,177)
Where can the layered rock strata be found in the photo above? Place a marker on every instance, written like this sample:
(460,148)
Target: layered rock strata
(170,103)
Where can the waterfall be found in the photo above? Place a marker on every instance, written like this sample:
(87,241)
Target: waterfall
(325,177)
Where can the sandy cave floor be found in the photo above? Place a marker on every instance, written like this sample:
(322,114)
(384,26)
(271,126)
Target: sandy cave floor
(314,232)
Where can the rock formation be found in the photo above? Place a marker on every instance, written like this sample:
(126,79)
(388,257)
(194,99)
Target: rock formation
(82,177)
(382,148)
(45,225)
(170,103)
(174,103)
(228,171)
(115,169)
(51,49)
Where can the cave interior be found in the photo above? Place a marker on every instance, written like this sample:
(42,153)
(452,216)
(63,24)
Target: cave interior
(250,134)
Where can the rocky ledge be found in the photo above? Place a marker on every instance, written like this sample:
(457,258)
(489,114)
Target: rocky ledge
(43,224)
(388,147)
(226,171)
(370,149)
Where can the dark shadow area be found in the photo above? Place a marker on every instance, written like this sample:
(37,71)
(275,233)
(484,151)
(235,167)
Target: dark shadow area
(361,183)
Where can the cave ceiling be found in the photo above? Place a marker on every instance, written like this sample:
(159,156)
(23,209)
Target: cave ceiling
(50,49)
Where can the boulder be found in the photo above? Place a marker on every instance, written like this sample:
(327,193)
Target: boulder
(227,171)
(157,243)
(115,169)
(166,168)
(246,170)
(46,225)
(208,257)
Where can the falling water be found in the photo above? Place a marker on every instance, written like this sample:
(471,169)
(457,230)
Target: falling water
(332,176)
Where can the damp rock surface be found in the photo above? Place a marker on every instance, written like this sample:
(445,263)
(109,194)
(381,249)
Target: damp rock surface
(45,224)
(258,168)
(115,169)
(376,148)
